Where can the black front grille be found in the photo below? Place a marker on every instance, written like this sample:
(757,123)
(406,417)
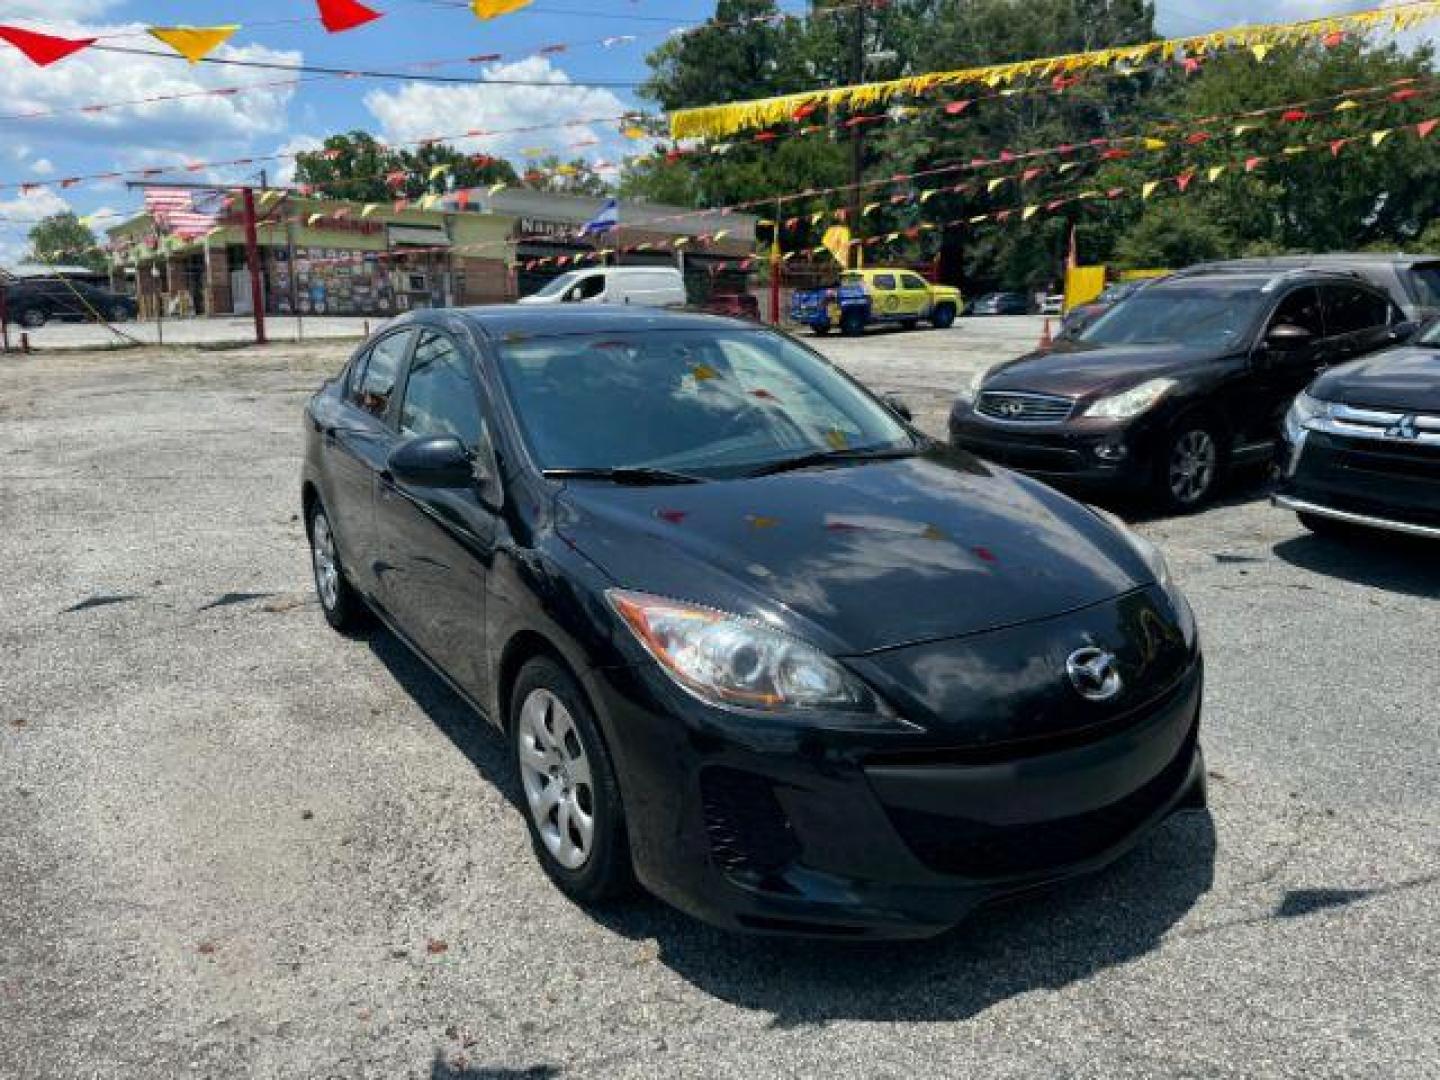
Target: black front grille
(1388,459)
(1024,408)
(746,824)
(977,849)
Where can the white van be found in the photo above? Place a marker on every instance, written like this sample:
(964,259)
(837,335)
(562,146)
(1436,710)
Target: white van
(648,286)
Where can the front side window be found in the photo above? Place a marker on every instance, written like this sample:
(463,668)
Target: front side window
(557,286)
(377,373)
(714,404)
(885,282)
(1200,317)
(912,282)
(589,288)
(1301,308)
(440,393)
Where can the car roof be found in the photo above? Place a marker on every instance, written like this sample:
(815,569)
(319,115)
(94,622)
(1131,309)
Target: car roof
(553,320)
(1339,258)
(1258,276)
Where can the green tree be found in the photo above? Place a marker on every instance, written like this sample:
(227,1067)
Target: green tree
(574,177)
(357,167)
(64,238)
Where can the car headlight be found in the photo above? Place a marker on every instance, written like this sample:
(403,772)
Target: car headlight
(1155,560)
(1304,411)
(1132,402)
(733,662)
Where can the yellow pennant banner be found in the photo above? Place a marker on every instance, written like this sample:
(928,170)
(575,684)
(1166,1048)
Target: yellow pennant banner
(194,42)
(717,121)
(837,242)
(493,9)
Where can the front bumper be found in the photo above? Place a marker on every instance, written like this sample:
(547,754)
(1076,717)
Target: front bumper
(1376,483)
(1079,452)
(781,829)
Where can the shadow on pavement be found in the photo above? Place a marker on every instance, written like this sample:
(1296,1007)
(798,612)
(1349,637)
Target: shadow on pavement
(1045,940)
(1379,560)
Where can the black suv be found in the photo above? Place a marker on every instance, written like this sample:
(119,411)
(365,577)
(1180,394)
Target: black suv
(1362,444)
(1412,281)
(1188,377)
(33,302)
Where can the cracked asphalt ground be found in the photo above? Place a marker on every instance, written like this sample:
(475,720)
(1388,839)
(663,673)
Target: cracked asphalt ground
(237,844)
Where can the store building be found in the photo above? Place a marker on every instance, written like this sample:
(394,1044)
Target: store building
(327,257)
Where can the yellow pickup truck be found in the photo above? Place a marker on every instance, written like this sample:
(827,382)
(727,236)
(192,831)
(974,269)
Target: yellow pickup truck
(875,294)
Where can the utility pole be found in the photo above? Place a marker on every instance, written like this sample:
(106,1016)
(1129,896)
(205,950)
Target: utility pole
(857,145)
(252,262)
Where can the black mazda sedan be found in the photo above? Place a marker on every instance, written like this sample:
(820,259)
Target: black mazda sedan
(1362,445)
(753,640)
(1186,379)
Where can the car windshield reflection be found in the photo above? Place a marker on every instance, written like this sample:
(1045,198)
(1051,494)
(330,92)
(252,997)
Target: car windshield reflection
(712,404)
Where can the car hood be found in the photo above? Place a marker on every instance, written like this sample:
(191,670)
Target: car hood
(1407,379)
(859,557)
(1076,368)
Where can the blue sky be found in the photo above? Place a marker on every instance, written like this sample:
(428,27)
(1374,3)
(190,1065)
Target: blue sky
(283,119)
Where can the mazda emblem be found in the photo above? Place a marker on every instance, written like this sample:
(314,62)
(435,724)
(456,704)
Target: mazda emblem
(1094,673)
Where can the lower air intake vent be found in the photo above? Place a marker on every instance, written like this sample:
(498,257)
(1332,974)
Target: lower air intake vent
(747,827)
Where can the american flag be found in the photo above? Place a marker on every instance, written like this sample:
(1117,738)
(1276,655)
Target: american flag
(186,212)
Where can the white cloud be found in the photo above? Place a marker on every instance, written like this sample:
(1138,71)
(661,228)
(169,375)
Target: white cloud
(421,111)
(283,172)
(50,10)
(42,167)
(201,126)
(17,217)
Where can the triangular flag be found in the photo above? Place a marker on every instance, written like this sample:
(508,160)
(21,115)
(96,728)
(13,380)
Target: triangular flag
(194,42)
(1148,188)
(995,183)
(495,189)
(370,208)
(1214,173)
(1183,180)
(437,171)
(957,107)
(1155,144)
(340,15)
(313,218)
(633,132)
(1336,145)
(1425,127)
(1378,137)
(1261,51)
(1029,212)
(1346,106)
(1251,164)
(493,9)
(43,49)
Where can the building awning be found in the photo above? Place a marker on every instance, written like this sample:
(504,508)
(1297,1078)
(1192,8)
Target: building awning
(416,236)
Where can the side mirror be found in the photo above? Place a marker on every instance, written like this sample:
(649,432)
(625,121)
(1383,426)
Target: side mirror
(1287,337)
(896,404)
(435,461)
(1402,331)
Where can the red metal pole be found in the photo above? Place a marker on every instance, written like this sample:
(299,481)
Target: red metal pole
(252,262)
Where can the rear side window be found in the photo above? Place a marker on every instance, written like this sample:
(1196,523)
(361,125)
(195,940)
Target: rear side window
(440,393)
(884,281)
(373,380)
(1350,309)
(910,281)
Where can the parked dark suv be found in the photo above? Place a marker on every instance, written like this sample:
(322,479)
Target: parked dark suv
(1412,281)
(33,302)
(1188,377)
(1362,444)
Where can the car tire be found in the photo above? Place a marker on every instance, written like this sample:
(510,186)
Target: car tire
(340,603)
(32,318)
(1190,465)
(820,331)
(569,794)
(852,324)
(943,317)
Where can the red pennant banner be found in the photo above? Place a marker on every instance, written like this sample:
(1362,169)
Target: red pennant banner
(43,49)
(1294,116)
(955,108)
(1336,146)
(1251,164)
(341,15)
(1183,180)
(1425,127)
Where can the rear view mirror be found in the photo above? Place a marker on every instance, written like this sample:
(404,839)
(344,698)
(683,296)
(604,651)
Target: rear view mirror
(436,461)
(1286,337)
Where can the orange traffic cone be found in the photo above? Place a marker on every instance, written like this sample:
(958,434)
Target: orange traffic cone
(1045,339)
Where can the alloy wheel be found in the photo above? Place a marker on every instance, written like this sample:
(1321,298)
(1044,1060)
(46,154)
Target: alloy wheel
(322,553)
(1193,464)
(555,772)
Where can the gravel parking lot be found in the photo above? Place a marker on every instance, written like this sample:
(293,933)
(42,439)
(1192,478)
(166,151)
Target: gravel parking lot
(237,844)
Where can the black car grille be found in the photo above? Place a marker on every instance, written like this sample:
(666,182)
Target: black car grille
(1016,407)
(978,849)
(745,822)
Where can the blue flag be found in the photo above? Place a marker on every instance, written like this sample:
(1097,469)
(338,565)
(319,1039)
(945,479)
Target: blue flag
(607,219)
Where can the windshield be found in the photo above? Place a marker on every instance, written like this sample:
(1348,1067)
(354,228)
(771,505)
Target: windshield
(559,285)
(1200,317)
(1425,280)
(706,403)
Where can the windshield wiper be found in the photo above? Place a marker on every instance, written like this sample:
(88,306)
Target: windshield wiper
(637,475)
(826,457)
